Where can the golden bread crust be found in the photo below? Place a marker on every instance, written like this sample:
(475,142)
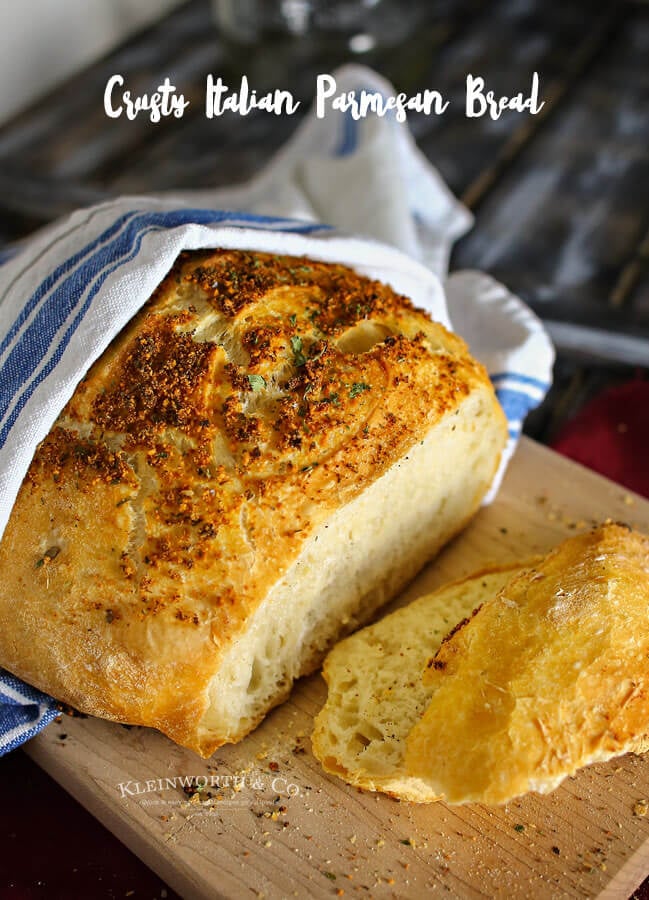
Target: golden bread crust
(251,397)
(546,677)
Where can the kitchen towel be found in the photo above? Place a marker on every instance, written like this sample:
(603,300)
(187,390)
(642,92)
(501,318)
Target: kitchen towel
(70,289)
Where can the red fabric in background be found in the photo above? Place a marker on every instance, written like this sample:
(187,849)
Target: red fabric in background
(611,435)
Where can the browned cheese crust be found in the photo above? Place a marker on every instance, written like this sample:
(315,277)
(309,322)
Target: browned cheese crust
(251,397)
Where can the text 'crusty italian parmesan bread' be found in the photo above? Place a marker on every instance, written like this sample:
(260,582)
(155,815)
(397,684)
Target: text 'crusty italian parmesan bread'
(262,458)
(548,674)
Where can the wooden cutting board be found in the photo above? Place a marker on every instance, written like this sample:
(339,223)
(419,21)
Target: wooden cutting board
(271,824)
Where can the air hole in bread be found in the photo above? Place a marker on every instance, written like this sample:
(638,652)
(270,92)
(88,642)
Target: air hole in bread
(372,733)
(363,337)
(256,675)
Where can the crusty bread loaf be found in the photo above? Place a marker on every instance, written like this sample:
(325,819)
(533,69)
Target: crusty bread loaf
(376,693)
(264,456)
(550,675)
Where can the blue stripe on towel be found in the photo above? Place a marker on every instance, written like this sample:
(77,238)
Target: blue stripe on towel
(521,379)
(349,137)
(36,339)
(169,220)
(515,404)
(63,343)
(46,285)
(24,711)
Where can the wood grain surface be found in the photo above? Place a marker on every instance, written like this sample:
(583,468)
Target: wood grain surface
(280,827)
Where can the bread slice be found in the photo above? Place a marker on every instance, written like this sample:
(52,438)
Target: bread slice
(264,456)
(550,675)
(376,693)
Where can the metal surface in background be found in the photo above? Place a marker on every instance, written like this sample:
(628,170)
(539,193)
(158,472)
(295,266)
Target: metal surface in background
(561,199)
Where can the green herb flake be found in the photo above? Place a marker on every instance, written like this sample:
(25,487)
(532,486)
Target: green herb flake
(299,358)
(329,875)
(40,562)
(357,388)
(257,382)
(292,319)
(519,828)
(406,841)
